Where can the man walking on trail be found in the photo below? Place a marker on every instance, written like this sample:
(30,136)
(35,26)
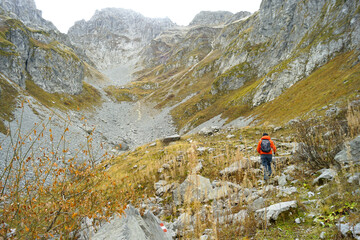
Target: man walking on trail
(264,148)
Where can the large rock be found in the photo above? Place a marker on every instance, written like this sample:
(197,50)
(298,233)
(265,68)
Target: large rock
(232,218)
(172,138)
(223,189)
(185,220)
(326,175)
(257,204)
(347,229)
(208,131)
(132,226)
(162,187)
(237,166)
(284,191)
(282,180)
(350,154)
(272,212)
(194,188)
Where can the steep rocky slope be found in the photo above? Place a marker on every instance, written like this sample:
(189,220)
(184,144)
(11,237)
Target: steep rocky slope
(250,62)
(115,36)
(33,54)
(26,11)
(289,45)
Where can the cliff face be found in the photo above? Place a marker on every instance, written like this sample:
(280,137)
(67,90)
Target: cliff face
(33,49)
(116,36)
(34,55)
(26,11)
(211,18)
(286,41)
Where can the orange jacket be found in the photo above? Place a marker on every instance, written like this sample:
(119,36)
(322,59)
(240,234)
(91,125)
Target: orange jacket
(272,145)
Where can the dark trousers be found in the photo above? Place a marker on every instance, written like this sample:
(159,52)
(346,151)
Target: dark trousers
(266,162)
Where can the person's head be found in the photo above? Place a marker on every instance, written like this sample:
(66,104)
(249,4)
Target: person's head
(265,134)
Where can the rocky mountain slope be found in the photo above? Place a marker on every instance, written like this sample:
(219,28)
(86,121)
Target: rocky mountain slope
(33,54)
(215,18)
(250,62)
(26,11)
(115,36)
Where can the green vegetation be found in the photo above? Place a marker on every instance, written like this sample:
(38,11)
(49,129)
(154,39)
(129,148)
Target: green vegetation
(8,103)
(121,94)
(87,99)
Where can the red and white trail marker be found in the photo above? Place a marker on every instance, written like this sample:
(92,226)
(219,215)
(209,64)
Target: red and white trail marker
(163,227)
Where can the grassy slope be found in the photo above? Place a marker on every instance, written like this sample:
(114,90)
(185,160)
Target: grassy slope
(88,98)
(336,81)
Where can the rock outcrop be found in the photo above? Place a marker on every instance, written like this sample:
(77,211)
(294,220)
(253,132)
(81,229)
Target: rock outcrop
(26,11)
(27,54)
(194,188)
(133,226)
(272,212)
(350,154)
(209,18)
(115,36)
(283,43)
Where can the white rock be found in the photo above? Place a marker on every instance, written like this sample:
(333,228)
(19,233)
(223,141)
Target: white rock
(195,187)
(272,212)
(257,204)
(166,166)
(197,168)
(326,175)
(310,194)
(355,178)
(286,191)
(282,180)
(230,136)
(132,226)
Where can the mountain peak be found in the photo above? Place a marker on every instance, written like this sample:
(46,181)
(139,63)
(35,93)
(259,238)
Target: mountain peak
(26,11)
(211,18)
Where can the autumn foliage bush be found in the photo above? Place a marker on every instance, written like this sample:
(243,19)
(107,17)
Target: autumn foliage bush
(44,193)
(322,138)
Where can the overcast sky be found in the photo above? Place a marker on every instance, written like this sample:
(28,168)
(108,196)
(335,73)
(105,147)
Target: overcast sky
(63,13)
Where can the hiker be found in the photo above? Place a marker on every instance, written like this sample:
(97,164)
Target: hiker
(264,148)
